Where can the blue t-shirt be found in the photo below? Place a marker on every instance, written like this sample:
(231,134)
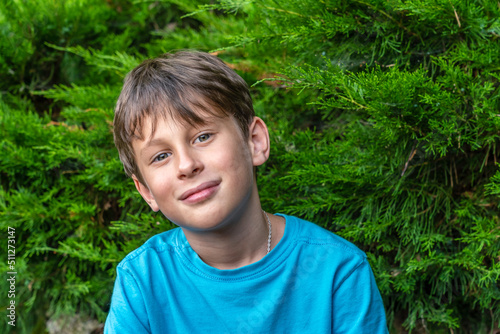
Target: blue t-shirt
(313,281)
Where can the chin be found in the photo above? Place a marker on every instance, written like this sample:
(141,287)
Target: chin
(211,214)
(206,221)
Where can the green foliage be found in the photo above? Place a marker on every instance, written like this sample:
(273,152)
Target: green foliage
(29,30)
(384,119)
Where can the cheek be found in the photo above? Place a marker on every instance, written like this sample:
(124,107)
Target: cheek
(234,161)
(240,160)
(159,184)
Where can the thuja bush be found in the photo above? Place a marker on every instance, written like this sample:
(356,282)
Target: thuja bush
(399,147)
(29,30)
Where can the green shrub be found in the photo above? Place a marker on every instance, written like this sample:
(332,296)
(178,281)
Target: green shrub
(30,29)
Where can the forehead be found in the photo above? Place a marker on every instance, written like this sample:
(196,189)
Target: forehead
(171,124)
(146,123)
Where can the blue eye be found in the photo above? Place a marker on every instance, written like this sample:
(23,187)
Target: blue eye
(161,156)
(203,137)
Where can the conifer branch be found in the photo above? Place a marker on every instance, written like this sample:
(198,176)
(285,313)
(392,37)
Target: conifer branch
(390,17)
(456,14)
(282,10)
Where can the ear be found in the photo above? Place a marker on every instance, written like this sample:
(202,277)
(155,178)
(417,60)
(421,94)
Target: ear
(259,141)
(146,194)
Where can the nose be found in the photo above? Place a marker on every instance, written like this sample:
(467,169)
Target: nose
(189,164)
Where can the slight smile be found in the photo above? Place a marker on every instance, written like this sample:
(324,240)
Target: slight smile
(200,193)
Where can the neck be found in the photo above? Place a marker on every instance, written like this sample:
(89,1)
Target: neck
(242,240)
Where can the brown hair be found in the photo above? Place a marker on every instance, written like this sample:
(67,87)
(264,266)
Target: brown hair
(176,85)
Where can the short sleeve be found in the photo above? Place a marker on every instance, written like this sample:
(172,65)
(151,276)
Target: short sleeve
(127,313)
(357,304)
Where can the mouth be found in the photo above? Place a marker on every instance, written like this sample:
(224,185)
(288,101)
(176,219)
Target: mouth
(200,193)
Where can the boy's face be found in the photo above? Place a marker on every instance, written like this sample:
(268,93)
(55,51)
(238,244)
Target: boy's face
(200,176)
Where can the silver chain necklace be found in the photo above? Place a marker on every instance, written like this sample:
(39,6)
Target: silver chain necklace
(270,232)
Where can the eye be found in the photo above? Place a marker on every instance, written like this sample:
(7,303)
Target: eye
(161,156)
(203,137)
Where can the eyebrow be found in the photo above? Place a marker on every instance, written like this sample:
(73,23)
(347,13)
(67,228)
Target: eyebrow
(144,152)
(153,142)
(210,121)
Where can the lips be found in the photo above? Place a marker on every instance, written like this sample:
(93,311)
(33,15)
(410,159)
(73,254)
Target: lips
(200,193)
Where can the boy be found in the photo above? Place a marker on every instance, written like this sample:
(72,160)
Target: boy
(187,135)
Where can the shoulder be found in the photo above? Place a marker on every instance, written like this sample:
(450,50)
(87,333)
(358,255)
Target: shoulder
(160,245)
(307,233)
(330,257)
